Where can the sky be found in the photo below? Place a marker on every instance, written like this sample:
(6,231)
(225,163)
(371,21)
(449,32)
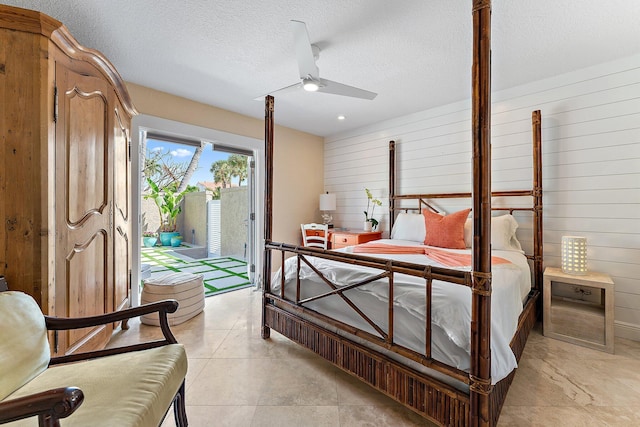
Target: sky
(182,154)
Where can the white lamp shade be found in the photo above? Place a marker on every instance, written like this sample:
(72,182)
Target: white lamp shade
(327,202)
(574,255)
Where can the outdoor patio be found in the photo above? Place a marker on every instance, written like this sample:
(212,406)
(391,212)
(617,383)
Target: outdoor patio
(221,274)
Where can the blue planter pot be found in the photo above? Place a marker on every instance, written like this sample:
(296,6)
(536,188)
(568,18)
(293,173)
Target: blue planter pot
(149,242)
(176,241)
(165,237)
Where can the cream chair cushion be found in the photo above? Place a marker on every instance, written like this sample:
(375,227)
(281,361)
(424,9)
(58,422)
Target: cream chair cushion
(124,390)
(24,349)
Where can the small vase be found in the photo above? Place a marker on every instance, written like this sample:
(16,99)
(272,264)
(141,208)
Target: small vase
(176,241)
(367,226)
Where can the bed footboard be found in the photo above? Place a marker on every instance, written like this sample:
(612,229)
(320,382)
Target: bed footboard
(429,397)
(435,400)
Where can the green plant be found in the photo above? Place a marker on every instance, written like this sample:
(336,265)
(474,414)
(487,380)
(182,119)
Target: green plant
(168,202)
(149,234)
(371,204)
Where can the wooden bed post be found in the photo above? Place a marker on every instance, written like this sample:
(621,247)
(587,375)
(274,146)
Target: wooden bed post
(480,376)
(536,124)
(268,207)
(392,184)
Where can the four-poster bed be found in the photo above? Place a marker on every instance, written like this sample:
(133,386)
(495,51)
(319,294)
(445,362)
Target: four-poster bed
(460,391)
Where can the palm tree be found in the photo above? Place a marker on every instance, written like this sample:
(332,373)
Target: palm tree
(238,164)
(221,171)
(190,169)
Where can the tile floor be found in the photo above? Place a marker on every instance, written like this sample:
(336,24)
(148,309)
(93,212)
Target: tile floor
(237,379)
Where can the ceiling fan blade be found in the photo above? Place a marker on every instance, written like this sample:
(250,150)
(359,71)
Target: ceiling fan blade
(329,86)
(304,51)
(285,89)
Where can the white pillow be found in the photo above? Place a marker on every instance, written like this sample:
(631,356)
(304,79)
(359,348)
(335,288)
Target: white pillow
(409,226)
(503,233)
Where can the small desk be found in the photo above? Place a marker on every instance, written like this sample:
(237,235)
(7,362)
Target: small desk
(342,238)
(589,324)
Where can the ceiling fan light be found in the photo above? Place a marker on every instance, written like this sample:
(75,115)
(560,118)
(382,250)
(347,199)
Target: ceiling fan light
(310,85)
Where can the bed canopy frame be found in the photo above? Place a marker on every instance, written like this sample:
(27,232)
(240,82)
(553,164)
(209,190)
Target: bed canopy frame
(430,397)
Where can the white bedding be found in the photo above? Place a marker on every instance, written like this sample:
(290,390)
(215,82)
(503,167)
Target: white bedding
(451,304)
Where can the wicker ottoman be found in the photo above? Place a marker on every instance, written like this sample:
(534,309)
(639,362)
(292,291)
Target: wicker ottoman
(186,288)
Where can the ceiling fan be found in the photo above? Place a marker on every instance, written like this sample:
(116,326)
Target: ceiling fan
(310,80)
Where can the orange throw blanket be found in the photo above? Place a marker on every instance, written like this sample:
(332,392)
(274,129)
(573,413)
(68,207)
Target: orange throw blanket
(449,259)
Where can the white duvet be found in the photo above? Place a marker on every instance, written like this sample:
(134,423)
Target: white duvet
(451,304)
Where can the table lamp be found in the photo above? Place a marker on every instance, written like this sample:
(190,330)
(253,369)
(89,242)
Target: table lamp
(327,204)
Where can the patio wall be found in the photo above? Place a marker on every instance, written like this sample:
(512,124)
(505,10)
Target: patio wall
(192,221)
(150,215)
(233,225)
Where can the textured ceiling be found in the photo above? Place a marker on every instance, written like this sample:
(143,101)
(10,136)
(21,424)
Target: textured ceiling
(416,54)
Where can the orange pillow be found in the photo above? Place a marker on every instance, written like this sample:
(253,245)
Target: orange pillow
(445,231)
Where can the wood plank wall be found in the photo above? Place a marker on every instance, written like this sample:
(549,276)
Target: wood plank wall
(591,166)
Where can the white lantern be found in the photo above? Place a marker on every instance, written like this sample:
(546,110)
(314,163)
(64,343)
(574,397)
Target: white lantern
(574,255)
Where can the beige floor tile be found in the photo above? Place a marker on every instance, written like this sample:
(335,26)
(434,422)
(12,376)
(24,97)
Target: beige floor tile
(380,416)
(233,382)
(218,416)
(615,416)
(247,343)
(627,348)
(539,382)
(299,382)
(296,416)
(195,366)
(202,343)
(236,378)
(519,416)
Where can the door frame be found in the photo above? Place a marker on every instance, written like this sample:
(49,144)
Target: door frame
(251,205)
(145,123)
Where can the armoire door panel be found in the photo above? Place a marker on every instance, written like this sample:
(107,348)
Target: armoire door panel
(121,268)
(86,153)
(86,283)
(84,206)
(121,167)
(121,197)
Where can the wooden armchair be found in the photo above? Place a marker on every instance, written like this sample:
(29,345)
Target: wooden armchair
(126,386)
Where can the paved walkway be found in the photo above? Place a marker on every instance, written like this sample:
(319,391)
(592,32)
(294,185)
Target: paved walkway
(221,274)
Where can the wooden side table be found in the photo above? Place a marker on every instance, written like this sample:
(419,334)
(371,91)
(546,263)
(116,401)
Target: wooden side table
(342,238)
(589,324)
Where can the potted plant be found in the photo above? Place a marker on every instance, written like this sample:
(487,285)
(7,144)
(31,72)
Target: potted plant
(176,241)
(370,223)
(149,238)
(168,202)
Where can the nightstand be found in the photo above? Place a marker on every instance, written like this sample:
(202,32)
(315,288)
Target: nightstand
(342,238)
(571,318)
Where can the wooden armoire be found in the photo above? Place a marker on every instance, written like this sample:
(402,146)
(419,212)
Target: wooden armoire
(65,202)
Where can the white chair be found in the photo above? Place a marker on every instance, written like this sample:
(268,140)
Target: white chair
(315,235)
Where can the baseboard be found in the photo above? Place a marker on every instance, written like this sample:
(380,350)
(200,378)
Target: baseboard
(627,330)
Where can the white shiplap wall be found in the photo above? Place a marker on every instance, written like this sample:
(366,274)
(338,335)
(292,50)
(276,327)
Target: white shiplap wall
(591,166)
